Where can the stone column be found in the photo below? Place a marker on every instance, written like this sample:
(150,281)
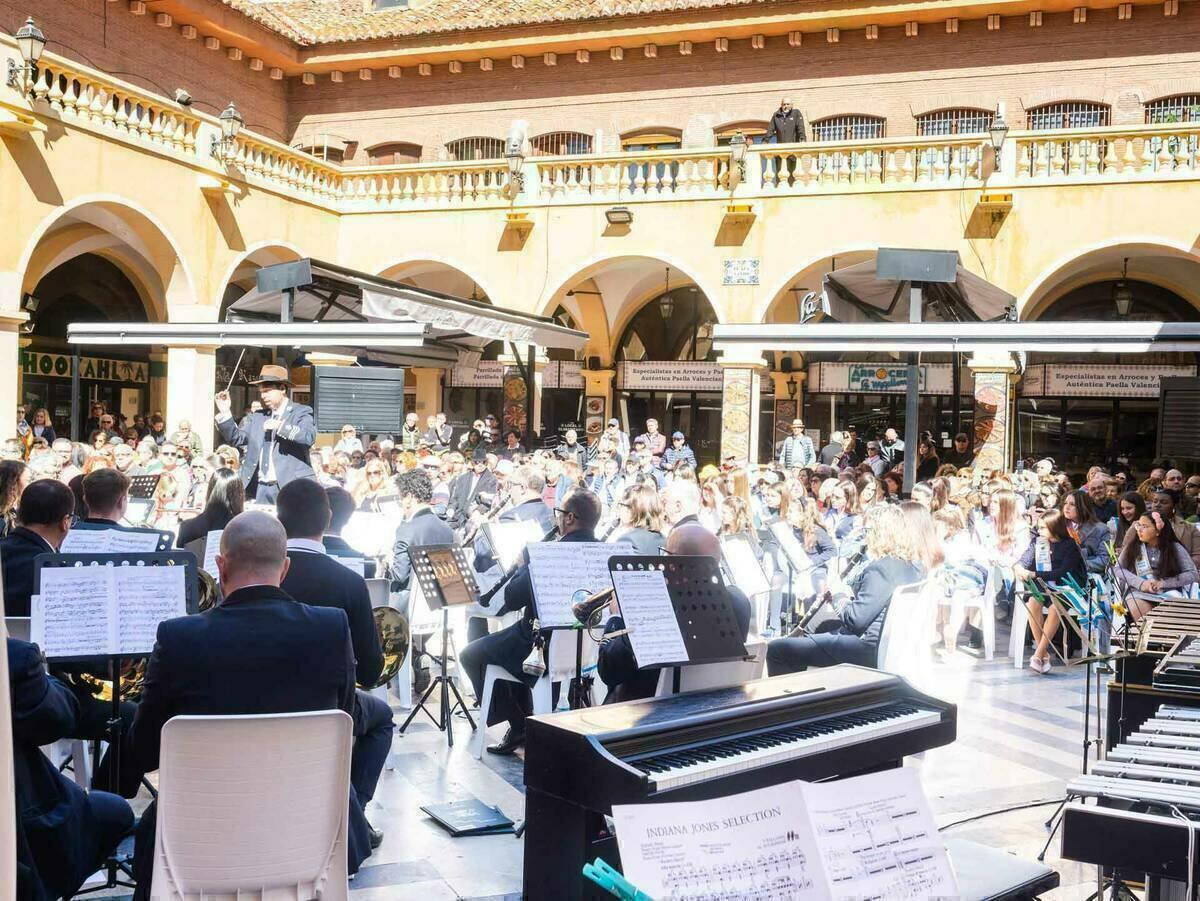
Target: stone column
(157,372)
(10,362)
(597,383)
(996,379)
(740,408)
(191,379)
(429,391)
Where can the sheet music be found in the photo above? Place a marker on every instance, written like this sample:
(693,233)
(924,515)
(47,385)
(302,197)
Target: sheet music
(754,846)
(508,540)
(865,837)
(744,565)
(354,564)
(212,546)
(649,616)
(109,541)
(71,614)
(146,595)
(877,837)
(790,545)
(558,569)
(371,534)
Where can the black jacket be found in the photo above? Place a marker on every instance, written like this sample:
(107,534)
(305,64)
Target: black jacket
(56,844)
(199,526)
(293,442)
(786,128)
(1065,557)
(17,552)
(619,669)
(320,581)
(463,499)
(258,652)
(863,615)
(644,541)
(423,529)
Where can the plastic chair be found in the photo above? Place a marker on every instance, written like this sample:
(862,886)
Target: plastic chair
(985,603)
(561,668)
(908,627)
(253,807)
(700,676)
(18,627)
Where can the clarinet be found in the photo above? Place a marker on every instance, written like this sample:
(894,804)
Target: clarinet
(486,597)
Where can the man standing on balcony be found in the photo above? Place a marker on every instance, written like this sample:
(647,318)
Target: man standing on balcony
(787,125)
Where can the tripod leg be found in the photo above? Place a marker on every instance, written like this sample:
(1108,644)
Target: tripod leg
(1046,847)
(458,697)
(420,705)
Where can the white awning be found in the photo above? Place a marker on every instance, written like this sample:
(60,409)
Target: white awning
(965,337)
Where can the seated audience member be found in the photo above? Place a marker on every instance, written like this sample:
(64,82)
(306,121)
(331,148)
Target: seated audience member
(64,834)
(1130,508)
(225,499)
(213,664)
(1085,527)
(576,519)
(617,664)
(316,579)
(1155,561)
(1051,558)
(43,519)
(856,632)
(1163,503)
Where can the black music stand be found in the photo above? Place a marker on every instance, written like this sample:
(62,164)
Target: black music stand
(143,486)
(113,727)
(446,581)
(710,630)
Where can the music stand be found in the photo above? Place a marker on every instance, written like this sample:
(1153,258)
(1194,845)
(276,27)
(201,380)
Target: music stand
(446,581)
(707,623)
(114,728)
(143,486)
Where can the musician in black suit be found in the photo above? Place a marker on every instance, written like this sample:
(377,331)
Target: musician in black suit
(214,663)
(105,499)
(63,833)
(576,520)
(276,442)
(617,665)
(526,486)
(315,578)
(476,485)
(44,514)
(421,526)
(341,508)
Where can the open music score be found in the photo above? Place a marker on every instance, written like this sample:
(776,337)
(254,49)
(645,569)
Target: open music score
(558,569)
(110,541)
(870,836)
(650,617)
(96,611)
(508,539)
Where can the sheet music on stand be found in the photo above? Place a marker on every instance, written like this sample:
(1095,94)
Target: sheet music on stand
(444,575)
(509,539)
(870,836)
(790,546)
(139,511)
(113,541)
(743,565)
(676,609)
(212,546)
(372,534)
(109,605)
(560,569)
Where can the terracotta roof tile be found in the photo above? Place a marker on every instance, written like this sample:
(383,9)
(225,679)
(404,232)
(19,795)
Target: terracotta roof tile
(335,21)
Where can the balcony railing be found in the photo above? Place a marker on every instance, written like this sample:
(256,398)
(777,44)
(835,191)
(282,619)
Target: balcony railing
(78,95)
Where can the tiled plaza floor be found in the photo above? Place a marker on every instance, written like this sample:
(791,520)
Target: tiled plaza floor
(1019,739)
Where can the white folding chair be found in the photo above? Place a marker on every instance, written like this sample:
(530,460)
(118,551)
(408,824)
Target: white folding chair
(1020,625)
(908,628)
(253,807)
(700,676)
(985,602)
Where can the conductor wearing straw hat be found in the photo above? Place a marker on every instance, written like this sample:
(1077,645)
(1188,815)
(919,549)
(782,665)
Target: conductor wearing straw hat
(275,442)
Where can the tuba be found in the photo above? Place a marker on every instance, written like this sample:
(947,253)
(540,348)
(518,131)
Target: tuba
(394,637)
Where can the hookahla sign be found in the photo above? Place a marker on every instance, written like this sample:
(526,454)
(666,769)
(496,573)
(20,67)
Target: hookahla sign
(93,368)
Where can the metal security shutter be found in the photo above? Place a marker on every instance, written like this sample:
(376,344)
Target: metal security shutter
(1179,419)
(371,400)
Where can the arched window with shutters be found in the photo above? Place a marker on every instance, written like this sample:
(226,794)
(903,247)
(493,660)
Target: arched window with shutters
(394,153)
(1169,110)
(466,150)
(561,143)
(848,128)
(955,121)
(1068,114)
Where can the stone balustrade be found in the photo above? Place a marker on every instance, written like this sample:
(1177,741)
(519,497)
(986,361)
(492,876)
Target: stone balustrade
(425,186)
(949,162)
(1109,154)
(642,175)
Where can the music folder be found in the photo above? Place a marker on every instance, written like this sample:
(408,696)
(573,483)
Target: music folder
(676,609)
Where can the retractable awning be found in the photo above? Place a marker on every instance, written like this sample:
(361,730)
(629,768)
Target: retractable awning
(859,294)
(965,337)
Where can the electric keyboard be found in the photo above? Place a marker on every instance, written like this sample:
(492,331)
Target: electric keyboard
(1146,808)
(821,724)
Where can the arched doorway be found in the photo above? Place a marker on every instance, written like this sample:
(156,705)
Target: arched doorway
(86,288)
(667,369)
(1103,409)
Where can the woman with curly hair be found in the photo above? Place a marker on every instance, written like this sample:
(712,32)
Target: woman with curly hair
(854,637)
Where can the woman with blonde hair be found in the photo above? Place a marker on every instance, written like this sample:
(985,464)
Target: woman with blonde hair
(927,547)
(856,631)
(375,484)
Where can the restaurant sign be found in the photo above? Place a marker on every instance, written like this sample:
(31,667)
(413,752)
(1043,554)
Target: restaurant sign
(670,375)
(883,378)
(99,369)
(1083,380)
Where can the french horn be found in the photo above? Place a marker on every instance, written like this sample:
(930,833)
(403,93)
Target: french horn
(394,638)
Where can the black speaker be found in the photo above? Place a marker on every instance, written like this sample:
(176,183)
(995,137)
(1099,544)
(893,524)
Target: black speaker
(370,399)
(785,364)
(593,362)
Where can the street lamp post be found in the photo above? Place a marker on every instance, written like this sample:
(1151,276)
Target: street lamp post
(31,42)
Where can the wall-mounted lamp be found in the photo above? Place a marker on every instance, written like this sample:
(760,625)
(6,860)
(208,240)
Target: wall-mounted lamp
(231,128)
(737,159)
(619,215)
(31,42)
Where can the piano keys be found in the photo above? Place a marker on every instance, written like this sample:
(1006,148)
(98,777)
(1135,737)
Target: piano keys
(823,724)
(1146,803)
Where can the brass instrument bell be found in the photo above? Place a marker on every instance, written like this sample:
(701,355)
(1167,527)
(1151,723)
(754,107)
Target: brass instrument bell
(394,638)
